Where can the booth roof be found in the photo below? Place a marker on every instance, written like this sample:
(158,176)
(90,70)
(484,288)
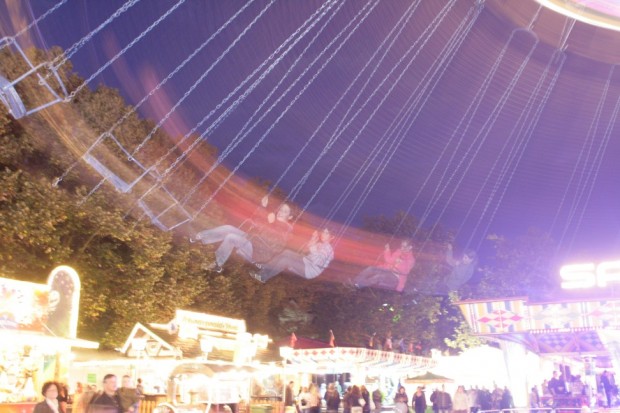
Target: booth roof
(190,347)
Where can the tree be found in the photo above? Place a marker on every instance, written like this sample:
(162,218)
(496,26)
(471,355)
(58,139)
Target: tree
(528,259)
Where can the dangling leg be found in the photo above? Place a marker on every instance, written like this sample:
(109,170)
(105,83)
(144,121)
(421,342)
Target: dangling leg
(384,279)
(213,235)
(288,259)
(230,242)
(363,279)
(375,277)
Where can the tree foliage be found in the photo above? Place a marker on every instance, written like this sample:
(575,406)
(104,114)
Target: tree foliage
(528,259)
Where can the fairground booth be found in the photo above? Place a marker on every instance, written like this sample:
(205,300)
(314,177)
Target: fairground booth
(578,334)
(39,328)
(190,363)
(309,361)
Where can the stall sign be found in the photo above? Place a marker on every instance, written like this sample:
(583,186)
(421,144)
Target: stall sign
(209,322)
(23,305)
(50,308)
(582,276)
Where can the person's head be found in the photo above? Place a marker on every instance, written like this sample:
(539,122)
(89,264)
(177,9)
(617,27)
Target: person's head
(405,245)
(50,390)
(326,236)
(284,213)
(401,389)
(109,383)
(126,381)
(469,256)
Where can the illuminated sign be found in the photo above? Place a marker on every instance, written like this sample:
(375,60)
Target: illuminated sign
(192,322)
(579,276)
(23,305)
(50,308)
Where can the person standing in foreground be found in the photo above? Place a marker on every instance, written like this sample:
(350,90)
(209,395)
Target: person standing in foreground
(418,401)
(442,402)
(107,401)
(332,399)
(130,399)
(377,398)
(50,403)
(607,386)
(289,398)
(460,401)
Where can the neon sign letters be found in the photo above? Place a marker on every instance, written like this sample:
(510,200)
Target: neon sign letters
(580,276)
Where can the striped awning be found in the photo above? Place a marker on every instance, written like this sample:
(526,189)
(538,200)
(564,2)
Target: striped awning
(339,359)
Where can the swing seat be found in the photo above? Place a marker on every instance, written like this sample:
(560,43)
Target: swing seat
(120,183)
(172,213)
(12,99)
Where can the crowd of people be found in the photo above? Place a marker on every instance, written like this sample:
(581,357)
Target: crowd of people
(355,399)
(111,399)
(262,241)
(358,399)
(571,391)
(555,392)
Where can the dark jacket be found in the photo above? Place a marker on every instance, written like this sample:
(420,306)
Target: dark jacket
(419,402)
(332,399)
(441,400)
(42,407)
(268,239)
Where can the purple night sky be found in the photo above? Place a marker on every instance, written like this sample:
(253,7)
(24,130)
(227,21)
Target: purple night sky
(500,133)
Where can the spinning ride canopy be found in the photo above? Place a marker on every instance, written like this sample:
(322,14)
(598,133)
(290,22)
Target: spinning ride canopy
(602,13)
(569,328)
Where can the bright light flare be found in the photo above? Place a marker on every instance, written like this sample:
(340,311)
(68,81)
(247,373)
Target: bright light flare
(601,13)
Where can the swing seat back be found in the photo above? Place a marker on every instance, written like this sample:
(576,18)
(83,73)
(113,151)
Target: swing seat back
(47,88)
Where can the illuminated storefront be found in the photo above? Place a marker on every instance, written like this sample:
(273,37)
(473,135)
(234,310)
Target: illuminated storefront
(352,365)
(39,328)
(192,360)
(579,334)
